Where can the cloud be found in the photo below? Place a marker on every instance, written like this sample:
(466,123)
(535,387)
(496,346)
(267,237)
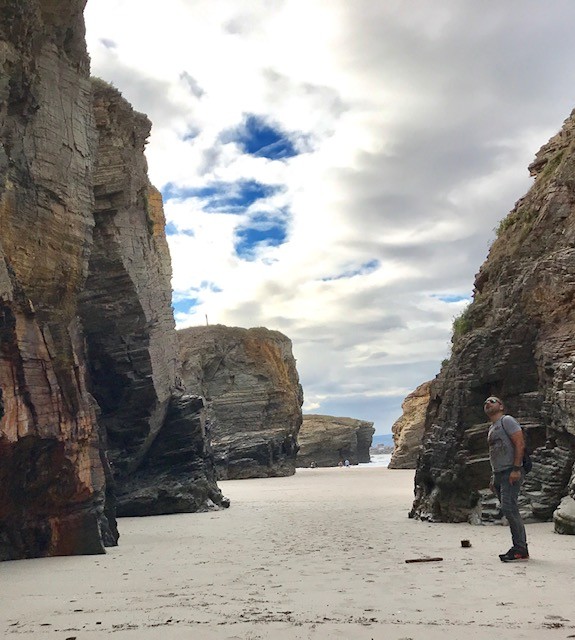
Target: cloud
(336,170)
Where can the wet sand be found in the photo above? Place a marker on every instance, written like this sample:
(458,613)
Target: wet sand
(314,556)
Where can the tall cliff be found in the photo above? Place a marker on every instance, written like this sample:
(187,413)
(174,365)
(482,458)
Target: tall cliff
(409,428)
(517,341)
(327,440)
(155,438)
(249,378)
(52,481)
(85,309)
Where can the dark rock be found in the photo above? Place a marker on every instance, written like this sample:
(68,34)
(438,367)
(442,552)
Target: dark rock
(130,333)
(329,440)
(178,474)
(516,341)
(250,381)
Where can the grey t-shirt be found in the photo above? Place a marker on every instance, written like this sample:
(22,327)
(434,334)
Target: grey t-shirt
(501,450)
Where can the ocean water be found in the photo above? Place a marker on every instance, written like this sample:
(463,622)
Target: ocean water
(377,460)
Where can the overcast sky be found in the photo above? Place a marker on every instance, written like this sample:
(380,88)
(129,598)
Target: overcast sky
(335,170)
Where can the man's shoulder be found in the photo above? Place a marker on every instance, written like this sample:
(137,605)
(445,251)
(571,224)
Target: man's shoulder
(509,423)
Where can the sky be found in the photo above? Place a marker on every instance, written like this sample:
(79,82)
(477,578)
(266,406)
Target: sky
(336,170)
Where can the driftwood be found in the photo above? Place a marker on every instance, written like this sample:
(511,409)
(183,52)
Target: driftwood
(425,560)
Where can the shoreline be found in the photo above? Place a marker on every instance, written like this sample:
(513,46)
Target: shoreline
(320,554)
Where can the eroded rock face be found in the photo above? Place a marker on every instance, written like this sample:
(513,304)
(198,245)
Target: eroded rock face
(52,480)
(177,474)
(516,341)
(249,378)
(130,332)
(408,430)
(329,440)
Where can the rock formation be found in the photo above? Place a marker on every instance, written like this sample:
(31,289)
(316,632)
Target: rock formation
(564,516)
(130,333)
(516,340)
(249,378)
(52,480)
(84,306)
(328,440)
(408,430)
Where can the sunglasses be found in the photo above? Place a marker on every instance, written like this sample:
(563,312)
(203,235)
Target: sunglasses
(492,401)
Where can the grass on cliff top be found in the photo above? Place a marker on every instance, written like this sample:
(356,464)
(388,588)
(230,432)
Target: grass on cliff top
(524,215)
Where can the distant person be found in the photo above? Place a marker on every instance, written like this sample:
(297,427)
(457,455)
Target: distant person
(340,463)
(313,464)
(346,463)
(506,448)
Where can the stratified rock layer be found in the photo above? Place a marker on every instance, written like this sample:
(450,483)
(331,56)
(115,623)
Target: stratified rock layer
(328,440)
(52,483)
(408,430)
(517,341)
(249,378)
(130,333)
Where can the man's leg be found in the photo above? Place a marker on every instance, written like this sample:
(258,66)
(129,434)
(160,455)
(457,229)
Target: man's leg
(509,495)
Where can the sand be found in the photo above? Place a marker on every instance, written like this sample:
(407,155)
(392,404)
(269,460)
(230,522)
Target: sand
(317,555)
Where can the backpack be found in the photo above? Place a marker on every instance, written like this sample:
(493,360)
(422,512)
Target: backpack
(527,462)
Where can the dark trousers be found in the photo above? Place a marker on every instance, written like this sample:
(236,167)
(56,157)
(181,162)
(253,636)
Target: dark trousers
(508,495)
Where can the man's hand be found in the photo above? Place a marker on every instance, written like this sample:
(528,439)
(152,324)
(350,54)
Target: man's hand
(514,477)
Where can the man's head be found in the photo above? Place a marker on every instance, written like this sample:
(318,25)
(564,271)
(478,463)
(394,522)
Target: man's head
(493,407)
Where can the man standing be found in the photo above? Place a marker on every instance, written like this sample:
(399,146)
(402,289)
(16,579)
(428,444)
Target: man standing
(506,448)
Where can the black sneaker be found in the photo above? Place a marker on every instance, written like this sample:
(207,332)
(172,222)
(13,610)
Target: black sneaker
(514,555)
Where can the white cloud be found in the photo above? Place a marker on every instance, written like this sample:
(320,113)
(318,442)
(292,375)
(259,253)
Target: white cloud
(416,122)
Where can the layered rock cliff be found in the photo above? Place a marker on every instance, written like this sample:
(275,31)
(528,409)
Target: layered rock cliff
(250,380)
(84,306)
(52,478)
(328,440)
(408,429)
(517,341)
(154,438)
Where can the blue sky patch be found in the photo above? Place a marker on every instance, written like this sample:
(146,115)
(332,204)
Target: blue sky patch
(210,286)
(450,297)
(184,305)
(172,230)
(256,137)
(223,197)
(248,239)
(364,269)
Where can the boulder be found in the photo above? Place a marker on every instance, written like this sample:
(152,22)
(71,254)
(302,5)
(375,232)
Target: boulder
(564,516)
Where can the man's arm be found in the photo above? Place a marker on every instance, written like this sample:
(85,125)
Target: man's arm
(518,451)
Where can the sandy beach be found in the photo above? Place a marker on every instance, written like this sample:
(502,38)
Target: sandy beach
(317,555)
